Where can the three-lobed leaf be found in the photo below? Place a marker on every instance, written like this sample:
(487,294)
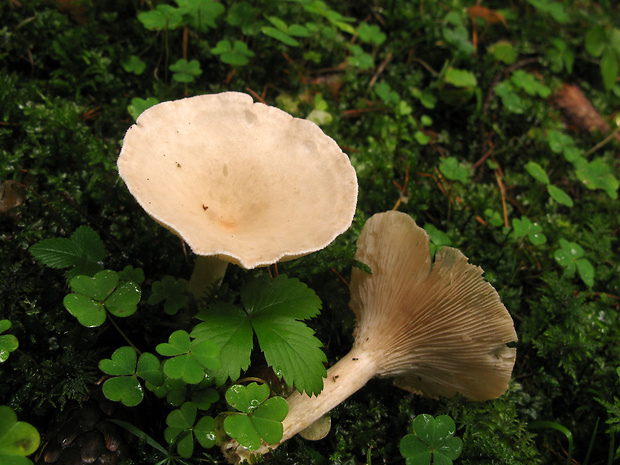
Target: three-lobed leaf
(125,366)
(271,309)
(260,418)
(432,439)
(189,358)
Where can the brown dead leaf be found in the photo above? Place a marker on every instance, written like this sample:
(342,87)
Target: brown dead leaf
(579,111)
(486,14)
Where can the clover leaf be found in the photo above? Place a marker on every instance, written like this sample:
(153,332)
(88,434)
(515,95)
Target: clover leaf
(185,71)
(95,295)
(271,310)
(170,290)
(8,342)
(183,428)
(236,54)
(260,418)
(453,170)
(189,358)
(570,255)
(432,439)
(127,367)
(17,438)
(138,105)
(524,227)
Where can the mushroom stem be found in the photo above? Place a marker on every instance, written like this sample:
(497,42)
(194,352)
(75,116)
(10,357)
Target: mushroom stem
(208,272)
(343,379)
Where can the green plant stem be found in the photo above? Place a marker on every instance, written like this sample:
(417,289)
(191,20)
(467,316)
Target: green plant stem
(120,331)
(343,379)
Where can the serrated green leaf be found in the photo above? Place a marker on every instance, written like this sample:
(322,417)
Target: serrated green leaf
(280,296)
(98,287)
(124,300)
(229,328)
(124,389)
(292,350)
(123,362)
(89,243)
(88,312)
(56,252)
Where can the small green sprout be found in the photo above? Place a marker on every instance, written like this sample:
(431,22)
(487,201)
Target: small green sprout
(283,32)
(183,428)
(172,292)
(237,54)
(185,71)
(126,367)
(17,438)
(8,342)
(97,295)
(524,227)
(570,255)
(133,64)
(453,170)
(138,105)
(555,192)
(432,440)
(190,358)
(260,417)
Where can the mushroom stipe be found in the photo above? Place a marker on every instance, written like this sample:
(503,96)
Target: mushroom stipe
(437,328)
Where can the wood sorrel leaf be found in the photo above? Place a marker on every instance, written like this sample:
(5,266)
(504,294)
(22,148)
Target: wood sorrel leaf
(122,362)
(17,438)
(88,312)
(124,389)
(124,300)
(99,287)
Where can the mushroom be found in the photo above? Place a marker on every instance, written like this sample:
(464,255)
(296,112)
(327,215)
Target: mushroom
(239,181)
(437,328)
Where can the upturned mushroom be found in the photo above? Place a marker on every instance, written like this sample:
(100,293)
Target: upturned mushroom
(437,328)
(239,181)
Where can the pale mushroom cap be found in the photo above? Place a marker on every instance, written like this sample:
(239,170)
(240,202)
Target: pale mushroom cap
(439,329)
(237,179)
